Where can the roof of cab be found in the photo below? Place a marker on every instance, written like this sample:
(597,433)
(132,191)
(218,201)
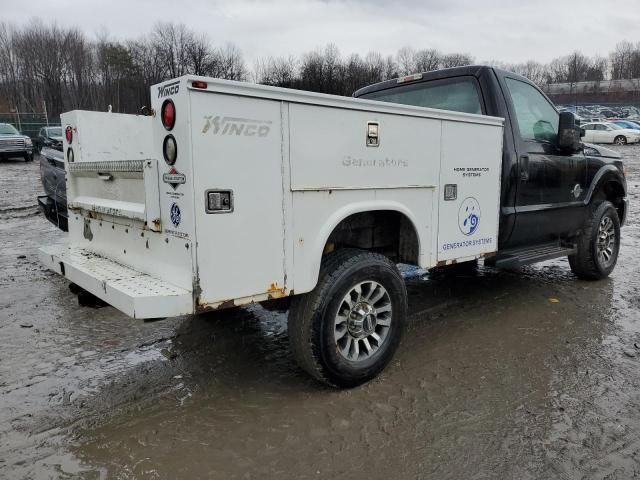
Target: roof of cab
(469,70)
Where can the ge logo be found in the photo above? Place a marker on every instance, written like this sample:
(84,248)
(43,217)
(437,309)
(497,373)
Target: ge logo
(176,216)
(469,216)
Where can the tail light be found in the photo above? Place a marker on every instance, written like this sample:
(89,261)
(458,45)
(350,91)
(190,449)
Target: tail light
(68,133)
(168,114)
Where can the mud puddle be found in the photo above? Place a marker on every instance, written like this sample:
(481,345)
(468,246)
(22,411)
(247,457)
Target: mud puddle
(529,374)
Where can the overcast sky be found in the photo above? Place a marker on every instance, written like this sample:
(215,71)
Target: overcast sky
(508,31)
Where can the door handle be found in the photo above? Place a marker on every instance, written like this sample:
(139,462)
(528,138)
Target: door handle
(524,168)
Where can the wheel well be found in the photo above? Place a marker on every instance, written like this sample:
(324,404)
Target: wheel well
(384,231)
(614,192)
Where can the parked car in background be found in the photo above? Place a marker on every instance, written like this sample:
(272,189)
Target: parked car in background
(627,124)
(608,113)
(54,203)
(14,144)
(606,132)
(48,137)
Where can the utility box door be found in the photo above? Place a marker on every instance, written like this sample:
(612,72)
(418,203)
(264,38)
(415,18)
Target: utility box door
(237,148)
(469,203)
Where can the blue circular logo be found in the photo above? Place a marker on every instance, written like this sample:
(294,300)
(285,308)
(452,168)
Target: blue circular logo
(176,216)
(469,216)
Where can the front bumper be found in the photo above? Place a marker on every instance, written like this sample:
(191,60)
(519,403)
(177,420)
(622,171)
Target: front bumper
(16,153)
(135,293)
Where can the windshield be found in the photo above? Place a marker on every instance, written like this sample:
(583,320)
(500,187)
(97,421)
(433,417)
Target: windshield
(6,129)
(615,127)
(54,131)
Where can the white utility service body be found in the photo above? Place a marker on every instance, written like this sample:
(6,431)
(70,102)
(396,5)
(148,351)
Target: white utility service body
(293,164)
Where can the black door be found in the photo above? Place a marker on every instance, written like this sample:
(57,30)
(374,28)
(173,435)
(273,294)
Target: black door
(551,187)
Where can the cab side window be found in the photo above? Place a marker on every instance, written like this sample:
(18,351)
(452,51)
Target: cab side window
(537,119)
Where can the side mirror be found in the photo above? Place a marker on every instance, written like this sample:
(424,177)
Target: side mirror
(568,139)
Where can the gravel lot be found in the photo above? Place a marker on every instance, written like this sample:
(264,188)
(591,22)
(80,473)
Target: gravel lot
(528,374)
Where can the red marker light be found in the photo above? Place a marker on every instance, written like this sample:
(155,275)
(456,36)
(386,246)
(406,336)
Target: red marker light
(199,84)
(409,78)
(68,133)
(168,114)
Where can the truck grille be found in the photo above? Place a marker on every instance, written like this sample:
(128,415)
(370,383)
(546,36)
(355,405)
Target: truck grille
(11,143)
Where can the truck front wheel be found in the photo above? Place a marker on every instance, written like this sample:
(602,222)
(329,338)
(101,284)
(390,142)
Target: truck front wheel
(347,329)
(599,244)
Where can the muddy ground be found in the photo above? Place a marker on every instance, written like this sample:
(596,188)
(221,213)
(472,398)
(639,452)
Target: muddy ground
(528,374)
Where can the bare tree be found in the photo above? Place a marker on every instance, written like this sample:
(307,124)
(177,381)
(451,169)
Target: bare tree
(230,64)
(426,60)
(455,60)
(48,66)
(405,59)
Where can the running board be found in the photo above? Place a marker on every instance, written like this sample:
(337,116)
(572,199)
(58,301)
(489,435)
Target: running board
(516,257)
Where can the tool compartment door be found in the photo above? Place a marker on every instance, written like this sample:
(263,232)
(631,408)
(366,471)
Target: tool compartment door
(238,148)
(469,191)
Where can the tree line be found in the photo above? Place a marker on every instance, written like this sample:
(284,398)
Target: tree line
(46,66)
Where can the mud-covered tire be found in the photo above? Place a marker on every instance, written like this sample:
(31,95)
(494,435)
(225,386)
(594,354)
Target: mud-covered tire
(312,318)
(28,157)
(588,262)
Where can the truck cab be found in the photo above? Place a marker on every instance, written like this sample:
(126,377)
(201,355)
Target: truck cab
(547,193)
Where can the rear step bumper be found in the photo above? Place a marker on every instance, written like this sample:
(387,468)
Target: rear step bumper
(538,253)
(135,293)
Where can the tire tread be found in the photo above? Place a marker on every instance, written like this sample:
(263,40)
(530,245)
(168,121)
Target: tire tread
(303,328)
(583,263)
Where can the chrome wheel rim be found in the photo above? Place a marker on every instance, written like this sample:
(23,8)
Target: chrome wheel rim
(363,321)
(606,243)
(620,141)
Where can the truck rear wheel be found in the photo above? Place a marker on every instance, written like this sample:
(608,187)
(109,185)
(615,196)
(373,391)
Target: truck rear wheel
(598,245)
(347,329)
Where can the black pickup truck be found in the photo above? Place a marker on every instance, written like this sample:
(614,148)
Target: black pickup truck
(559,197)
(53,203)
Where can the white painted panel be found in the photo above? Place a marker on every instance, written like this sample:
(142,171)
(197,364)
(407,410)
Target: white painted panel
(316,214)
(237,145)
(102,136)
(329,151)
(471,160)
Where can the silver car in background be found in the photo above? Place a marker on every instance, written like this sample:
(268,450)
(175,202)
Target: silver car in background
(14,144)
